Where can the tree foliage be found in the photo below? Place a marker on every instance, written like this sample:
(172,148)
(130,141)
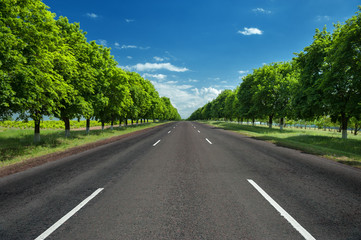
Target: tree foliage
(323,82)
(47,68)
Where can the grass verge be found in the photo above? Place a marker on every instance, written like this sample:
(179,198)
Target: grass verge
(16,145)
(318,142)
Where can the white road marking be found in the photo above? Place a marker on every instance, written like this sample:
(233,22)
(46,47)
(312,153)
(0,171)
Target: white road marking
(68,215)
(156,143)
(169,132)
(283,213)
(208,141)
(199,131)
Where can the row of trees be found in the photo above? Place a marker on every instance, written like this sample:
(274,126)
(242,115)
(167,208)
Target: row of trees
(47,68)
(323,80)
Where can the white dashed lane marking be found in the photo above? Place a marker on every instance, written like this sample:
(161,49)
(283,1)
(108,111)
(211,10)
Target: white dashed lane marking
(156,143)
(62,220)
(283,213)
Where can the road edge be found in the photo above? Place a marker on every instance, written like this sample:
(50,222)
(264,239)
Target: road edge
(290,146)
(40,160)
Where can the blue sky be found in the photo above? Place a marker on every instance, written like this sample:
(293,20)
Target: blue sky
(191,50)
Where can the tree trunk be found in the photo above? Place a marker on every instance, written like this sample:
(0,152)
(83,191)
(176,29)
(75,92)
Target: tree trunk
(37,131)
(120,122)
(67,127)
(126,122)
(112,125)
(132,121)
(253,120)
(102,126)
(356,129)
(87,126)
(270,118)
(281,124)
(344,121)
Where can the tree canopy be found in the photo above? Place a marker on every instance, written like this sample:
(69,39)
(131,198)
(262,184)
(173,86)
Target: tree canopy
(323,81)
(48,68)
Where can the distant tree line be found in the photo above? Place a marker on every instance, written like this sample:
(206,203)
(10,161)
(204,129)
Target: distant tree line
(323,81)
(47,68)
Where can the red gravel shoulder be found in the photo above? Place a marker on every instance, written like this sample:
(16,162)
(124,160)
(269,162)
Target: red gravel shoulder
(33,162)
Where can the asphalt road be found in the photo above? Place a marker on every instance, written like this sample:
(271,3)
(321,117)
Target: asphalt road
(184,181)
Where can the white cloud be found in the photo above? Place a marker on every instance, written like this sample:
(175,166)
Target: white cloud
(251,31)
(184,97)
(242,72)
(207,94)
(102,42)
(261,10)
(214,78)
(160,77)
(185,86)
(128,46)
(129,20)
(117,45)
(192,80)
(323,18)
(158,59)
(157,66)
(172,82)
(92,15)
(129,57)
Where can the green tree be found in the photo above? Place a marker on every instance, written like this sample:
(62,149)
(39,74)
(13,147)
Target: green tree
(229,111)
(78,74)
(218,105)
(119,95)
(341,83)
(205,112)
(141,100)
(154,100)
(105,65)
(11,61)
(245,94)
(273,93)
(307,101)
(169,112)
(33,87)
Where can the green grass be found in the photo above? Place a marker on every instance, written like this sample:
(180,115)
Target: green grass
(324,143)
(50,124)
(17,145)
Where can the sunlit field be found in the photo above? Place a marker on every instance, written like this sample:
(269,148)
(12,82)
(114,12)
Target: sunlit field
(316,141)
(17,144)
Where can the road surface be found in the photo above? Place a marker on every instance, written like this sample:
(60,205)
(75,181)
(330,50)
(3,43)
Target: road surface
(184,180)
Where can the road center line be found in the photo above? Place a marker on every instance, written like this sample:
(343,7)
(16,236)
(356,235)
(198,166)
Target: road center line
(208,141)
(169,132)
(283,213)
(156,143)
(68,215)
(199,131)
